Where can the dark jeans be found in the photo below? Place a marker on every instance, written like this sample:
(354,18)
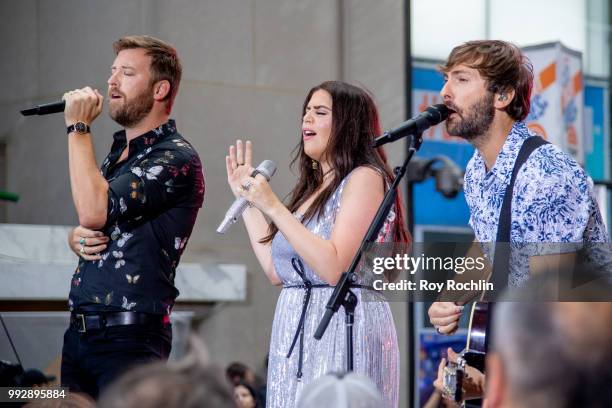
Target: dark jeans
(92,360)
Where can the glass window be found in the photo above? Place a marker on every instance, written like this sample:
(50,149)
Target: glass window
(582,25)
(529,22)
(439,25)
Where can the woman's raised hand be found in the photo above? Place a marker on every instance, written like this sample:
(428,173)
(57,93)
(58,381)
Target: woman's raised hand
(239,164)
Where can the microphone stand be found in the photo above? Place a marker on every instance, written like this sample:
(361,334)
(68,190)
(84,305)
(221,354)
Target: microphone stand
(342,295)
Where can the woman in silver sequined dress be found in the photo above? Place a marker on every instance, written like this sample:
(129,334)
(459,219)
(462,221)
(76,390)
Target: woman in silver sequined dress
(312,240)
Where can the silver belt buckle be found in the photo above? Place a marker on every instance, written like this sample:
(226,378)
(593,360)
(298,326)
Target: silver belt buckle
(82,317)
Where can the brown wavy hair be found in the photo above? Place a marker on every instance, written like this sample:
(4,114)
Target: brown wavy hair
(355,124)
(502,65)
(165,63)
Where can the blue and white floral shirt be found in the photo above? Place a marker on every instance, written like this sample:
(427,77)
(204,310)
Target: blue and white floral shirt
(553,202)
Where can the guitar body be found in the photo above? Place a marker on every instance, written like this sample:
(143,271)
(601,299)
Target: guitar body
(477,340)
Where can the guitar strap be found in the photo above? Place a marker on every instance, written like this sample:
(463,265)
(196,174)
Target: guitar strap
(501,262)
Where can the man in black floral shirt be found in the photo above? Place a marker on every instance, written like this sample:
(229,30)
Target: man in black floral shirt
(135,217)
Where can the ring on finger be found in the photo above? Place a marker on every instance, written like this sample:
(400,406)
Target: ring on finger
(83,241)
(82,250)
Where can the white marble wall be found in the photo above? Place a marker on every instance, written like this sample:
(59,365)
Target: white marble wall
(37,264)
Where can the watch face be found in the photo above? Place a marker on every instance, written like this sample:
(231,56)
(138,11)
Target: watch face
(80,127)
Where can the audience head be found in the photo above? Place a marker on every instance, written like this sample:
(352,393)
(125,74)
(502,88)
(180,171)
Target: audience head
(71,400)
(190,382)
(245,396)
(238,372)
(551,354)
(160,385)
(341,391)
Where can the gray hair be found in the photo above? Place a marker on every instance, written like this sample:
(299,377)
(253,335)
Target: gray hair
(341,391)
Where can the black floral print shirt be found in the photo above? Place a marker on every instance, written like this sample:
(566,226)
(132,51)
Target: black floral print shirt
(153,200)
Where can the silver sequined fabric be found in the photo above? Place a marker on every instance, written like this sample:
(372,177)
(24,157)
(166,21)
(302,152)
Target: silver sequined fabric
(376,352)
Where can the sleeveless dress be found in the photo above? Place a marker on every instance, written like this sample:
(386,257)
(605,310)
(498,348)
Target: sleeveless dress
(376,352)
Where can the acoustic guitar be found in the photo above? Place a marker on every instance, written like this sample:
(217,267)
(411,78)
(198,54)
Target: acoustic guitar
(473,354)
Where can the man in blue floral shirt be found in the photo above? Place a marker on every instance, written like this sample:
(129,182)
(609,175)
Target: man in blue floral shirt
(135,216)
(553,208)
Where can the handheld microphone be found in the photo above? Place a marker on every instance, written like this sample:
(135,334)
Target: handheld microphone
(45,109)
(423,121)
(266,168)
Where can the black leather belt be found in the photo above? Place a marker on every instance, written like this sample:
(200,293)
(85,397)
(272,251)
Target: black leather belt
(84,322)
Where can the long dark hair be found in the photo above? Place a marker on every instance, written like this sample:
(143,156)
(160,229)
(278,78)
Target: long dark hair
(355,124)
(252,391)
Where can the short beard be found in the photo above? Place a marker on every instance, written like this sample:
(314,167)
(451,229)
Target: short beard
(475,121)
(133,111)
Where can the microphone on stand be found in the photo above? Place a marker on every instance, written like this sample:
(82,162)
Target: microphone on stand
(423,121)
(266,168)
